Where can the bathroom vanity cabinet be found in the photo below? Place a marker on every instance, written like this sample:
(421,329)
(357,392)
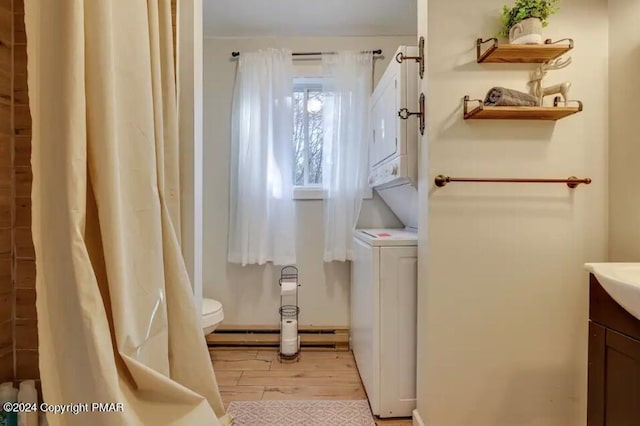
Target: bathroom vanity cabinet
(614,361)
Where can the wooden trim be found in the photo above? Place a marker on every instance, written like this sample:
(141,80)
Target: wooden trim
(318,337)
(597,375)
(417,418)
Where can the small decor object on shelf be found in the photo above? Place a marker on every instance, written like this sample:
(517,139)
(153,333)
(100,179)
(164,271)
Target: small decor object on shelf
(535,84)
(523,22)
(500,96)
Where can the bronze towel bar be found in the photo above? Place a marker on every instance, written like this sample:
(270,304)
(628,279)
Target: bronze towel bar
(373,52)
(571,182)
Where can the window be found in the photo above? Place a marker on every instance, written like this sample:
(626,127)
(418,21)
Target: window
(308,139)
(307,133)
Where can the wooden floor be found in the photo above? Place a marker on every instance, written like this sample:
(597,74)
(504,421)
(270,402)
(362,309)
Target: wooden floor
(256,374)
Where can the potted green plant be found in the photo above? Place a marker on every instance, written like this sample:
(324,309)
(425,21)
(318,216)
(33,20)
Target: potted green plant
(523,22)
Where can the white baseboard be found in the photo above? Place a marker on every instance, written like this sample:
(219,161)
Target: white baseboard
(417,419)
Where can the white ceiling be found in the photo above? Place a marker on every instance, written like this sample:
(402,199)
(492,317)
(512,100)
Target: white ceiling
(250,18)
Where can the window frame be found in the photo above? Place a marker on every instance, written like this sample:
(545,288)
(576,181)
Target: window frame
(312,191)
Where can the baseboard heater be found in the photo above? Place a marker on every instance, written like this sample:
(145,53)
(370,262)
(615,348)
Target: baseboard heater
(316,337)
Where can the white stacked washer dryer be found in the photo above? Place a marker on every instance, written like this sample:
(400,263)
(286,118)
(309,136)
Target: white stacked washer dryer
(384,267)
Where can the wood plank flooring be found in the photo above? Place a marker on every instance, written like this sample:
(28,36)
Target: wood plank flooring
(256,374)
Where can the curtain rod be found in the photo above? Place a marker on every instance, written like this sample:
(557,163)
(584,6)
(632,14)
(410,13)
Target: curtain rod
(374,52)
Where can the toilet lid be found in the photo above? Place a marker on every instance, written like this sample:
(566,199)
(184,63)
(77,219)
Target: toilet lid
(210,306)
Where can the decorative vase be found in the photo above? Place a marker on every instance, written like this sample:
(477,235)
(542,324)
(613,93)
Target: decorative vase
(528,31)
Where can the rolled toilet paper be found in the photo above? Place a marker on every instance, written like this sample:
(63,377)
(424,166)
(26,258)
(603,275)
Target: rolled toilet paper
(289,347)
(288,287)
(289,338)
(289,329)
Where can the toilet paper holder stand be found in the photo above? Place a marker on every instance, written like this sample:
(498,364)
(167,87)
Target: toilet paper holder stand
(289,310)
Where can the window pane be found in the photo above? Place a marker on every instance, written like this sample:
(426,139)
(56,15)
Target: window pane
(298,138)
(314,111)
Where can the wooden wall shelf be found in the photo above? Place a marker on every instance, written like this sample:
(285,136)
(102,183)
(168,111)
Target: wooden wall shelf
(482,112)
(522,53)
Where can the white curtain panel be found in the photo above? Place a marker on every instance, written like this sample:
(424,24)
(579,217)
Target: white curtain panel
(262,211)
(117,322)
(347,91)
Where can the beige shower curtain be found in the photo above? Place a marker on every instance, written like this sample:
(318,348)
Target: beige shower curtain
(117,320)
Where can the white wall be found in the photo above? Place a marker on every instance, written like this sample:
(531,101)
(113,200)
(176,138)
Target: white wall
(502,295)
(624,70)
(250,295)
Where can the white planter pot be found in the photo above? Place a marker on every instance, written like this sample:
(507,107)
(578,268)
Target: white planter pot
(528,31)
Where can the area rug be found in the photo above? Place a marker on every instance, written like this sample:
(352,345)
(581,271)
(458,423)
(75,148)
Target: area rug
(301,413)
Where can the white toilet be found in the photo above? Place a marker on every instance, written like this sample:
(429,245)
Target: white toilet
(212,315)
